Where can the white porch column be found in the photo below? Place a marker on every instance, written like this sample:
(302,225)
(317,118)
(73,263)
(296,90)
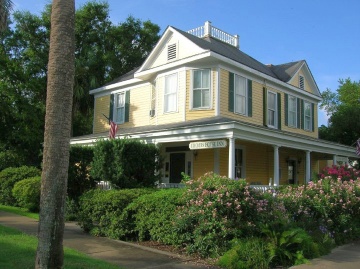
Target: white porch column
(231,171)
(307,167)
(276,165)
(334,160)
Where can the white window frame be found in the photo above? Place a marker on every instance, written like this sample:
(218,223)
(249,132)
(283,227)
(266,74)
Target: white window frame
(274,110)
(307,118)
(173,93)
(201,89)
(292,113)
(243,97)
(119,108)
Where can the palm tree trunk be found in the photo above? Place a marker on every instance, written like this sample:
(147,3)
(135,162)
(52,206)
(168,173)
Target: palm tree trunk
(5,7)
(60,83)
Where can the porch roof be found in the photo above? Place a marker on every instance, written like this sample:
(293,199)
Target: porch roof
(222,127)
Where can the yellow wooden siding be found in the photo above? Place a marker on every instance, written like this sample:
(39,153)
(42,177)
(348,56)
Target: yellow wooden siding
(140,102)
(102,106)
(193,114)
(204,162)
(169,117)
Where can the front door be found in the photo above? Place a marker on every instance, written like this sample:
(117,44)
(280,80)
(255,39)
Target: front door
(177,166)
(291,171)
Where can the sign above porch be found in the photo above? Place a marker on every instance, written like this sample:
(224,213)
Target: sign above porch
(208,144)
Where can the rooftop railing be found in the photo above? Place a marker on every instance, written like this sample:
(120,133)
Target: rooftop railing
(210,31)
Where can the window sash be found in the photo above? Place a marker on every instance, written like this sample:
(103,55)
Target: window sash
(240,94)
(120,107)
(292,110)
(170,93)
(201,88)
(307,116)
(272,111)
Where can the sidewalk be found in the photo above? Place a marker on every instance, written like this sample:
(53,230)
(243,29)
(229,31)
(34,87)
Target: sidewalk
(124,254)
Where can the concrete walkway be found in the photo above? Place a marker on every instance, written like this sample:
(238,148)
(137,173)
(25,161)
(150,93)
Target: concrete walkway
(124,254)
(132,256)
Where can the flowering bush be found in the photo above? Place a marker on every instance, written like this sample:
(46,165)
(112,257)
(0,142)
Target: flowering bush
(329,206)
(218,210)
(343,172)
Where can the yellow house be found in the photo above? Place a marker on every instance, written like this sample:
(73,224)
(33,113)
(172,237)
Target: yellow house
(211,107)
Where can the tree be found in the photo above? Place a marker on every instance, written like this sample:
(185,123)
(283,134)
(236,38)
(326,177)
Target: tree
(60,82)
(101,55)
(5,7)
(343,107)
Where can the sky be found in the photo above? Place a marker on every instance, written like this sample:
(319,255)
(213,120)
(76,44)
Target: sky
(325,33)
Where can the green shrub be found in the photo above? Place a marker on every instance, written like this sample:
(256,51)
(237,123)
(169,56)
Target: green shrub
(151,217)
(8,178)
(27,193)
(79,179)
(246,253)
(126,163)
(98,209)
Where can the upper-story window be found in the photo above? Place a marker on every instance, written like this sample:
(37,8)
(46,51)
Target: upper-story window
(240,95)
(201,88)
(170,93)
(292,111)
(307,116)
(271,109)
(119,107)
(301,82)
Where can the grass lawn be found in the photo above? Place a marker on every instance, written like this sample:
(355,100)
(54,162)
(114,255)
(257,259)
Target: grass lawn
(18,252)
(19,211)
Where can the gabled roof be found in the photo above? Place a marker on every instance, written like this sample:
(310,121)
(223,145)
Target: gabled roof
(127,76)
(286,71)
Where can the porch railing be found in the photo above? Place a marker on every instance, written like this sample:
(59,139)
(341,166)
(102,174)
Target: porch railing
(262,188)
(170,185)
(209,30)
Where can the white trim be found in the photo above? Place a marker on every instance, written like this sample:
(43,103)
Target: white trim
(217,92)
(118,84)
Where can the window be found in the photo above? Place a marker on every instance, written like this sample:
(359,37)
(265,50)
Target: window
(170,93)
(301,82)
(307,116)
(201,88)
(292,111)
(271,109)
(120,107)
(240,94)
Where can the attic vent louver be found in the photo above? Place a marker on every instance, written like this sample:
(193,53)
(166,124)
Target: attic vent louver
(171,52)
(301,82)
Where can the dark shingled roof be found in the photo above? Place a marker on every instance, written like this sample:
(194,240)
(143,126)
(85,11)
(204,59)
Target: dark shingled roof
(286,71)
(283,72)
(127,76)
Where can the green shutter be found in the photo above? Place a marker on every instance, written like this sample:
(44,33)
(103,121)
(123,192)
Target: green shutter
(312,117)
(302,115)
(111,111)
(279,110)
(298,113)
(249,84)
(264,106)
(127,106)
(286,109)
(231,92)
